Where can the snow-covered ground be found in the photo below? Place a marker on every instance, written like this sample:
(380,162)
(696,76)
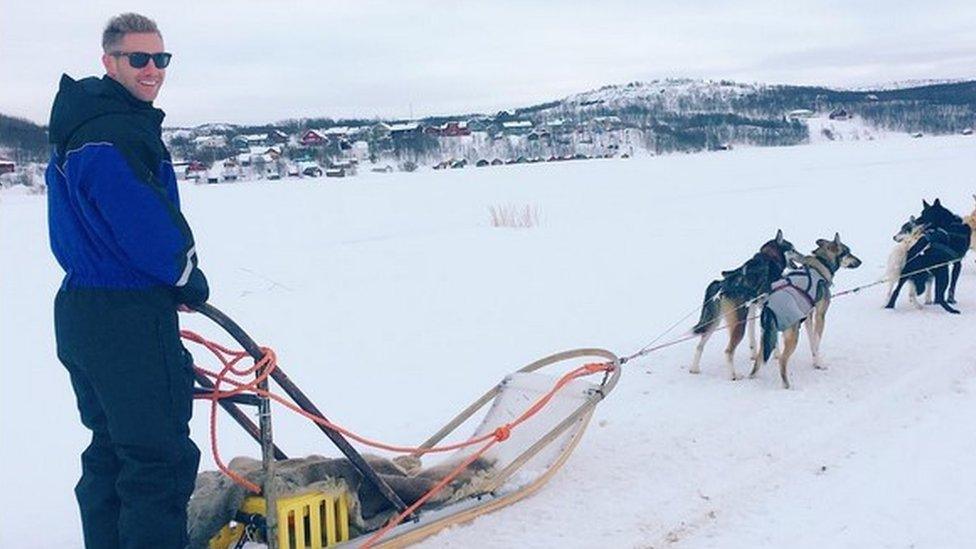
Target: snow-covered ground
(823,129)
(392,301)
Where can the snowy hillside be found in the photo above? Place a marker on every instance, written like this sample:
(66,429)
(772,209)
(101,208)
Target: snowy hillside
(676,95)
(823,128)
(393,302)
(908,84)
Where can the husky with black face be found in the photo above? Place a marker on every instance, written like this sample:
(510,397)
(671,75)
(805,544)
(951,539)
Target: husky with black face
(738,294)
(803,294)
(944,242)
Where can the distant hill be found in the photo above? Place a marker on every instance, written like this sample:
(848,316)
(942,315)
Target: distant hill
(22,140)
(659,115)
(697,113)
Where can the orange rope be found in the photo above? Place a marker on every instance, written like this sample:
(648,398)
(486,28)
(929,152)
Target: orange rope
(500,435)
(229,359)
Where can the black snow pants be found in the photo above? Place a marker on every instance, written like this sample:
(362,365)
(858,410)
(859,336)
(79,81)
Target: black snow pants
(134,382)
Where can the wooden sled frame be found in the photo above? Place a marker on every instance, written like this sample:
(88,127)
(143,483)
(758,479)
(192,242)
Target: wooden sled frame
(424,523)
(431,522)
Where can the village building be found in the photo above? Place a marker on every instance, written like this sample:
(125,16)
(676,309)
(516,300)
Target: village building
(314,138)
(405,130)
(454,129)
(516,127)
(210,141)
(277,137)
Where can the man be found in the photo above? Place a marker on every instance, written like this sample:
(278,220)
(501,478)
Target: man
(130,262)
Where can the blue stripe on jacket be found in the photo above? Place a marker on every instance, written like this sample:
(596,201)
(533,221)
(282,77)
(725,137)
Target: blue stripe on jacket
(108,228)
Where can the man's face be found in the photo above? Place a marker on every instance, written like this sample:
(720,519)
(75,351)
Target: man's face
(143,83)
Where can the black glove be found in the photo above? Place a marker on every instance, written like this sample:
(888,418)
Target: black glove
(195,291)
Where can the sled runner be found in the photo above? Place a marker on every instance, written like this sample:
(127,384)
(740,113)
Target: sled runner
(535,417)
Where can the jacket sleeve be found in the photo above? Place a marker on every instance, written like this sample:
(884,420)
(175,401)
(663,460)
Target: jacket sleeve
(147,228)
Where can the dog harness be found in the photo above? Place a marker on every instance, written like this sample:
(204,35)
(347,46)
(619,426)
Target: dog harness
(950,242)
(793,296)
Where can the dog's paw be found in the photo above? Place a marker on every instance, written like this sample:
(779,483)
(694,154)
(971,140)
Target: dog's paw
(948,309)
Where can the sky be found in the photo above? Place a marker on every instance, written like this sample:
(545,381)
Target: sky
(254,62)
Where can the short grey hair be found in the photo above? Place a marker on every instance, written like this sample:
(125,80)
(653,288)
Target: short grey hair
(123,24)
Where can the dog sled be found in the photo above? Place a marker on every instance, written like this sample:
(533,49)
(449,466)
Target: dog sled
(530,424)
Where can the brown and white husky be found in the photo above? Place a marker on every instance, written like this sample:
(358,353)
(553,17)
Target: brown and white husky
(737,294)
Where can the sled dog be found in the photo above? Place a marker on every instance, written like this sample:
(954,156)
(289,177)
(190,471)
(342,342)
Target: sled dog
(970,220)
(945,241)
(802,294)
(907,236)
(737,295)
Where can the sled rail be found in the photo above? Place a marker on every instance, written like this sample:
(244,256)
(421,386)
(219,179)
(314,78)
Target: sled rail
(493,498)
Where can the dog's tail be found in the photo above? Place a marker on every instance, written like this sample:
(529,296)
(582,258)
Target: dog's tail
(710,308)
(769,333)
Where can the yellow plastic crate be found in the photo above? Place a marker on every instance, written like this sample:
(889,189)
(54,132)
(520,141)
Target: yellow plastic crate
(310,521)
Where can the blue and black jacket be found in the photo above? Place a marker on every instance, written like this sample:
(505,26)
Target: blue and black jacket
(113,206)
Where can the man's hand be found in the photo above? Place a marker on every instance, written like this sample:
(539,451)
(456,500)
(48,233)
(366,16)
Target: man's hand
(195,291)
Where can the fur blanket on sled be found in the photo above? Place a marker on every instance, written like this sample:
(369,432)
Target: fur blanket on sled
(217,498)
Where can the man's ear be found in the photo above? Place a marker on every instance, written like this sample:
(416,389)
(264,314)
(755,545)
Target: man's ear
(111,64)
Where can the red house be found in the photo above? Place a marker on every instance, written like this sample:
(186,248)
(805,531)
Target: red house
(313,138)
(455,129)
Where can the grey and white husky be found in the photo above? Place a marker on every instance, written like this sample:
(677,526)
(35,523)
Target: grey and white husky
(801,295)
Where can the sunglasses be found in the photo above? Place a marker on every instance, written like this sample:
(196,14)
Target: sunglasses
(139,59)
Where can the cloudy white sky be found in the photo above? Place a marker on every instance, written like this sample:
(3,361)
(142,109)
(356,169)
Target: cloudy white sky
(258,61)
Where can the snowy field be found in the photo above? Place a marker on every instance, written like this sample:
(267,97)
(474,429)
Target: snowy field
(393,302)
